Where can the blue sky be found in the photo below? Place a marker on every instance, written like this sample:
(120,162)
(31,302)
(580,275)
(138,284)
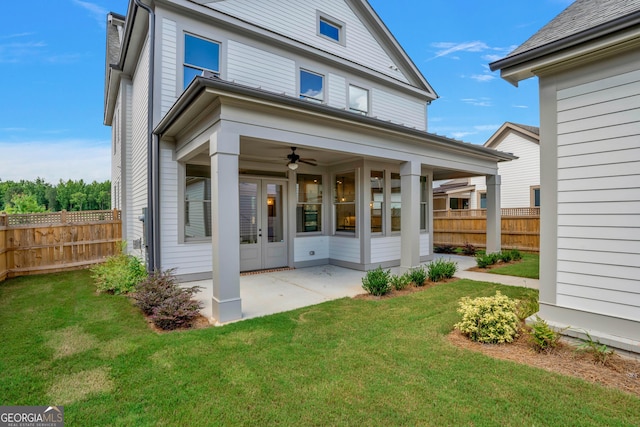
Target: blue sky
(52,75)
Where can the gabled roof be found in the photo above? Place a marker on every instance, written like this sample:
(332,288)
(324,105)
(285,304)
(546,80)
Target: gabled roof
(582,22)
(454,187)
(531,133)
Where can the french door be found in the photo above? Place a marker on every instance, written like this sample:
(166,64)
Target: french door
(263,224)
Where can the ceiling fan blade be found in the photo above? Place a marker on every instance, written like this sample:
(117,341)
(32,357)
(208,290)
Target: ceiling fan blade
(307,161)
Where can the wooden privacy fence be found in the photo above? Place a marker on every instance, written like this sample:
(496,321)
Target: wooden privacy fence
(520,228)
(57,241)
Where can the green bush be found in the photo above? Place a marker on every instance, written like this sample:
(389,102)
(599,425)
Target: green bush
(119,274)
(599,351)
(484,260)
(441,269)
(444,249)
(515,255)
(543,337)
(418,275)
(469,250)
(488,319)
(168,305)
(400,281)
(377,282)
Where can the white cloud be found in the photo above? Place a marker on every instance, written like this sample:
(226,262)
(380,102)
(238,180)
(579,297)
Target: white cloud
(492,57)
(478,102)
(97,12)
(484,128)
(461,134)
(520,106)
(483,77)
(447,48)
(54,160)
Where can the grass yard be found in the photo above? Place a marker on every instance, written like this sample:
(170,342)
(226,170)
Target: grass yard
(345,362)
(528,267)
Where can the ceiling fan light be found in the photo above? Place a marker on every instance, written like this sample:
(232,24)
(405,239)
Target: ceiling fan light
(293,166)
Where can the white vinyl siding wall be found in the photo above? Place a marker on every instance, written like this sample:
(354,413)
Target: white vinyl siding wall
(169,67)
(599,196)
(518,176)
(257,68)
(297,20)
(317,244)
(337,91)
(398,109)
(116,157)
(139,143)
(425,247)
(186,258)
(344,249)
(385,249)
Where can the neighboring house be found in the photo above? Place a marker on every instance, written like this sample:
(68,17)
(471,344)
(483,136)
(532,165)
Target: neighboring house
(520,178)
(587,61)
(207,101)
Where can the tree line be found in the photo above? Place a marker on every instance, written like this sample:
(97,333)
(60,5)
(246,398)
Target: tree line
(40,196)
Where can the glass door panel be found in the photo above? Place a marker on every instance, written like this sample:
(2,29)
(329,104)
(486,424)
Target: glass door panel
(275,220)
(249,220)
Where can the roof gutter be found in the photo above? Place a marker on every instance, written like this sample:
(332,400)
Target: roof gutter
(152,216)
(572,40)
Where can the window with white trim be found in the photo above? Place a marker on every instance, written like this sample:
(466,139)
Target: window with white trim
(311,86)
(309,207)
(197,202)
(377,201)
(330,28)
(200,55)
(344,202)
(358,100)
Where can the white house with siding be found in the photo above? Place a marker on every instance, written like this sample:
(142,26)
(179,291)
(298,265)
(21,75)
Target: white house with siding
(587,61)
(251,135)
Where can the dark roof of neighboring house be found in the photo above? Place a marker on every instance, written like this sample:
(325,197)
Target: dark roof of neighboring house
(454,186)
(580,16)
(582,21)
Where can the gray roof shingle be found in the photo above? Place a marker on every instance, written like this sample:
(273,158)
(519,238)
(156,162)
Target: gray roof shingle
(580,16)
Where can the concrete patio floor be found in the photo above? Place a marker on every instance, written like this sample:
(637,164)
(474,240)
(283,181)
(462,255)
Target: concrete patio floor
(278,291)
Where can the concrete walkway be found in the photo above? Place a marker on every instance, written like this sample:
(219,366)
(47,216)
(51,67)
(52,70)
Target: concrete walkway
(274,292)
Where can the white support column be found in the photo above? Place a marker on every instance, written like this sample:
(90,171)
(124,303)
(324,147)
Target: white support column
(224,149)
(494,217)
(410,215)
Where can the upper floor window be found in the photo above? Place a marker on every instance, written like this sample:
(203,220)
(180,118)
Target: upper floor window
(200,55)
(331,28)
(358,100)
(311,86)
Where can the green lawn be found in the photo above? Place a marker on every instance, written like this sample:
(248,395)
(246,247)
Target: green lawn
(346,362)
(528,267)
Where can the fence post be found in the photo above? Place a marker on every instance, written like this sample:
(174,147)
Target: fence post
(63,216)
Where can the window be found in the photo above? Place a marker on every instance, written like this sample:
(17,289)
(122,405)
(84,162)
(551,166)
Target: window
(358,100)
(345,202)
(424,194)
(396,202)
(377,201)
(311,86)
(482,200)
(197,202)
(535,196)
(200,55)
(309,208)
(331,29)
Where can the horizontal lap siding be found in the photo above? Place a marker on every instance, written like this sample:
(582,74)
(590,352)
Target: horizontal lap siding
(139,144)
(257,68)
(317,244)
(344,249)
(398,109)
(599,196)
(425,244)
(337,88)
(297,20)
(385,249)
(169,60)
(186,258)
(518,175)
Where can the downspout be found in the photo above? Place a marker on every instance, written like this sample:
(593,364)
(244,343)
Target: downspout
(151,218)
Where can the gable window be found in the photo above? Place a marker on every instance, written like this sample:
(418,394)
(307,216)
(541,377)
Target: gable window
(309,207)
(330,28)
(200,55)
(358,100)
(345,202)
(311,86)
(197,202)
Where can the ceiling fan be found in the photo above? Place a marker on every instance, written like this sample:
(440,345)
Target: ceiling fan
(294,159)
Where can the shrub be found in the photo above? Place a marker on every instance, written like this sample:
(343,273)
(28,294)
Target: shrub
(488,319)
(400,281)
(485,260)
(441,269)
(376,282)
(505,256)
(599,351)
(543,337)
(169,305)
(527,307)
(515,255)
(444,249)
(119,274)
(418,275)
(469,250)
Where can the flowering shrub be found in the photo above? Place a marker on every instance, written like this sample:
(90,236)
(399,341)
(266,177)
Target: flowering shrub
(488,319)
